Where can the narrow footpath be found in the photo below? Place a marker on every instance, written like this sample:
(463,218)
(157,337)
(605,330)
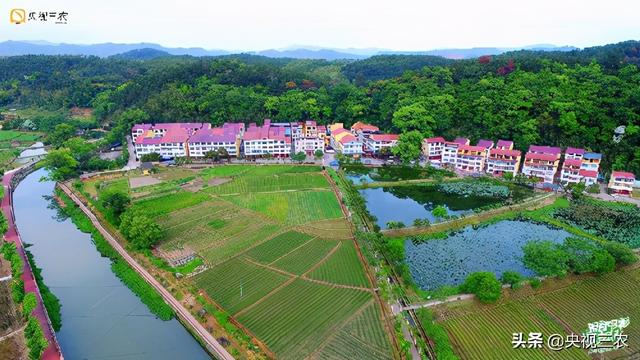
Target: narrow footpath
(212,344)
(53,351)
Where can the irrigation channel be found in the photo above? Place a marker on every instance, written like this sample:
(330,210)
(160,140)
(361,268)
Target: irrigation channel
(101,317)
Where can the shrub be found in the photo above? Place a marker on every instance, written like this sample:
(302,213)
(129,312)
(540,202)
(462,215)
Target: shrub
(36,341)
(440,212)
(395,225)
(545,258)
(115,201)
(512,278)
(620,252)
(152,157)
(535,283)
(28,304)
(467,188)
(484,285)
(593,189)
(17,290)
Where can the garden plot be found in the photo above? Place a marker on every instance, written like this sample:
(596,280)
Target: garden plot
(495,247)
(140,181)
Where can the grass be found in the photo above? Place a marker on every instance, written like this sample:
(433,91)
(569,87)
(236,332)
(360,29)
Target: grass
(485,332)
(237,283)
(292,208)
(295,320)
(340,267)
(304,257)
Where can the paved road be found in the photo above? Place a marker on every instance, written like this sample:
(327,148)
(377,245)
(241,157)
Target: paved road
(132,163)
(52,352)
(212,344)
(606,197)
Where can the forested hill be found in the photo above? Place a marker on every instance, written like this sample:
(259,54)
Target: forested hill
(572,98)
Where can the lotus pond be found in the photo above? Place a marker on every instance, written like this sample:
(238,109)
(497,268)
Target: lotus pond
(495,247)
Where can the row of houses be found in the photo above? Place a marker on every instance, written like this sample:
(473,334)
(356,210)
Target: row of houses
(543,162)
(276,139)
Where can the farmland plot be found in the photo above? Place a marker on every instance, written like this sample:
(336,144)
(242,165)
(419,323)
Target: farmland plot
(304,257)
(237,283)
(342,267)
(293,208)
(281,182)
(296,319)
(480,333)
(280,245)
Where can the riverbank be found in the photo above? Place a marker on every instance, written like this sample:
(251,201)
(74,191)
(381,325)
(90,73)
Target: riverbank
(53,351)
(185,316)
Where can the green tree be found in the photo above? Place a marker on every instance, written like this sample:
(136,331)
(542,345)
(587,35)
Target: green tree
(139,229)
(60,134)
(116,201)
(151,157)
(484,285)
(440,212)
(409,146)
(212,155)
(545,258)
(299,156)
(318,154)
(622,253)
(223,153)
(61,164)
(414,117)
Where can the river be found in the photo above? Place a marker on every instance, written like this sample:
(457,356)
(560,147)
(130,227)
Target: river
(101,317)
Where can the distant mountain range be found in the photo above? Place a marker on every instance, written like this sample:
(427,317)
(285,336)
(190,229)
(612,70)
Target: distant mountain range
(145,51)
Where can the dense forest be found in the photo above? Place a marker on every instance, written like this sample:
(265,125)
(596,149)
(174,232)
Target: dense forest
(574,98)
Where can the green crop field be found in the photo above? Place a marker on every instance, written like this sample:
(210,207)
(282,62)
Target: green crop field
(280,245)
(165,204)
(363,337)
(481,333)
(281,182)
(259,230)
(296,319)
(293,208)
(340,268)
(304,257)
(237,283)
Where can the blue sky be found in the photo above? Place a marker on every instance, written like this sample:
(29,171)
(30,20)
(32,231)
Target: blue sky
(391,24)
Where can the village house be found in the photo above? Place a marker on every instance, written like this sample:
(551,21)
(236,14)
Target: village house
(432,149)
(621,183)
(450,151)
(168,140)
(542,162)
(344,141)
(503,159)
(362,129)
(580,166)
(308,137)
(376,142)
(274,139)
(470,158)
(205,139)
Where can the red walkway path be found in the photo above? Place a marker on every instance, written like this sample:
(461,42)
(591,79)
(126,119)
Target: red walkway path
(53,351)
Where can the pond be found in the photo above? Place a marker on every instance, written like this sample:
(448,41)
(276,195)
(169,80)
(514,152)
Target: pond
(407,203)
(360,174)
(101,317)
(495,247)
